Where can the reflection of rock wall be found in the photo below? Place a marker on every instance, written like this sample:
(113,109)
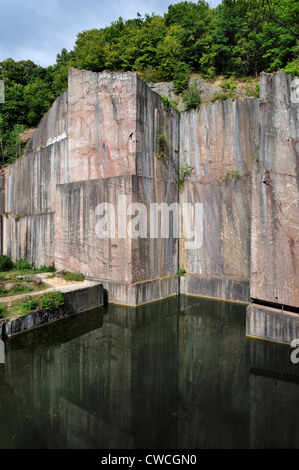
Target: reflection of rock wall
(273,397)
(105,388)
(213,375)
(176,374)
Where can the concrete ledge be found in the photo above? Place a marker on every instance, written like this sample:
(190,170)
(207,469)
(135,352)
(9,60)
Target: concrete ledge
(140,293)
(76,301)
(216,287)
(271,323)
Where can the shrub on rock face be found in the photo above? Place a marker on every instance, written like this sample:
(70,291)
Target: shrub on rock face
(191,96)
(6,263)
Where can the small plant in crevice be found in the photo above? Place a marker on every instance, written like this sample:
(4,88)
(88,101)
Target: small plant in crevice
(184,174)
(231,174)
(256,154)
(166,103)
(181,271)
(162,145)
(17,217)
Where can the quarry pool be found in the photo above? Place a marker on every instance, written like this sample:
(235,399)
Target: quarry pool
(175,374)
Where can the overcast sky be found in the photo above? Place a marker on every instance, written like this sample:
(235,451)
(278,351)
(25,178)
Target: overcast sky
(38,30)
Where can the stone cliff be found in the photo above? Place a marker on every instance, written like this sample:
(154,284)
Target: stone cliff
(108,140)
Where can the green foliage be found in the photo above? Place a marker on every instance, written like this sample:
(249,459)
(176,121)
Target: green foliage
(231,174)
(191,97)
(52,300)
(21,264)
(228,85)
(256,154)
(166,103)
(181,77)
(181,272)
(174,104)
(3,311)
(6,263)
(162,145)
(16,289)
(237,38)
(29,305)
(292,67)
(222,96)
(46,269)
(69,276)
(184,174)
(17,217)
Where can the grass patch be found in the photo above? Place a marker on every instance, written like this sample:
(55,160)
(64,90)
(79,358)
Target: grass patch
(3,311)
(47,302)
(15,290)
(69,276)
(222,96)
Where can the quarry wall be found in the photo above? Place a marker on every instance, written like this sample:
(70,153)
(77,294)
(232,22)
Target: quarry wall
(109,142)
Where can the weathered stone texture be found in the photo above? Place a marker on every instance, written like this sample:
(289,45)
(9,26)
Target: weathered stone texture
(272,323)
(79,247)
(219,141)
(101,118)
(275,196)
(31,237)
(153,122)
(53,126)
(219,137)
(100,140)
(31,182)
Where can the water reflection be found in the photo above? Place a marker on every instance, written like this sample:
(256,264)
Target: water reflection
(176,374)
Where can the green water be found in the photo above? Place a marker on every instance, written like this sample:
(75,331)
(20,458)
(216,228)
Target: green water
(176,374)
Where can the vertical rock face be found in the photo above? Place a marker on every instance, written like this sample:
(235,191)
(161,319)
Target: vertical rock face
(218,141)
(97,145)
(275,201)
(108,150)
(30,190)
(101,118)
